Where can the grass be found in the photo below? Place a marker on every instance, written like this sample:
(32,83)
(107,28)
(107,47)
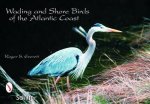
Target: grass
(100,100)
(147,101)
(125,84)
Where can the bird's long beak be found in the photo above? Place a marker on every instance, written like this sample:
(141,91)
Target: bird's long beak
(112,30)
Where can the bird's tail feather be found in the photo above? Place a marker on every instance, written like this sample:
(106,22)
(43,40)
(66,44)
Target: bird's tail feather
(34,71)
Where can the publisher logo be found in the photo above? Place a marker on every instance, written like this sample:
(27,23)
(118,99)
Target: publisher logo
(9,87)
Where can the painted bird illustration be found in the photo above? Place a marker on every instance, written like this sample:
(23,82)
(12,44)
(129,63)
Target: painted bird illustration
(70,61)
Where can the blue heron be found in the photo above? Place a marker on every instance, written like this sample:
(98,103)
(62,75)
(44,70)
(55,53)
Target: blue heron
(70,61)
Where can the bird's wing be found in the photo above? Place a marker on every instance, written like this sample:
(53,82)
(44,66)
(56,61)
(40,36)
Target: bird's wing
(59,63)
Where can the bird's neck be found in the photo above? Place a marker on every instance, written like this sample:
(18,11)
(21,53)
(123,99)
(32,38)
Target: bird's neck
(86,57)
(92,44)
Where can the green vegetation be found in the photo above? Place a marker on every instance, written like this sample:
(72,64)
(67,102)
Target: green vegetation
(147,101)
(100,100)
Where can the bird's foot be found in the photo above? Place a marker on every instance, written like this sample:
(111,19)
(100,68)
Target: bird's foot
(68,89)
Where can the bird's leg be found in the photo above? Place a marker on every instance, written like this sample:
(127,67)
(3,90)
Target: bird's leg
(55,82)
(57,79)
(68,83)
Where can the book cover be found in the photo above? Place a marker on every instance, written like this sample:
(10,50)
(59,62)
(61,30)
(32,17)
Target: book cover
(44,43)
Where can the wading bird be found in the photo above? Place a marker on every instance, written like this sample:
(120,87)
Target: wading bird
(70,61)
